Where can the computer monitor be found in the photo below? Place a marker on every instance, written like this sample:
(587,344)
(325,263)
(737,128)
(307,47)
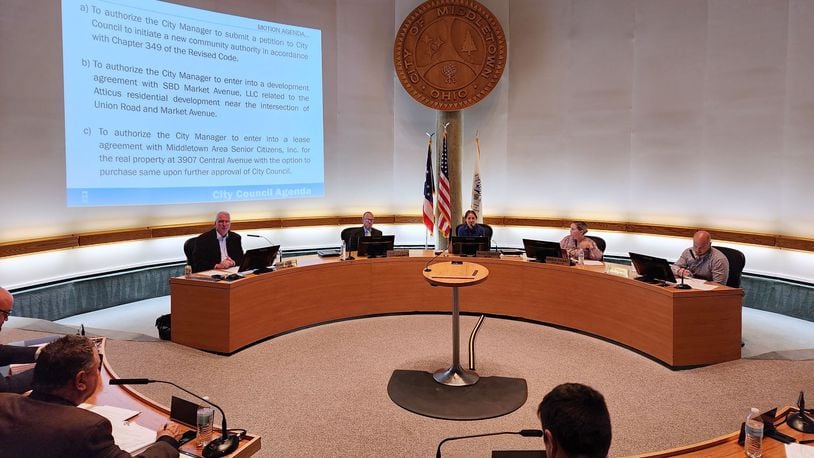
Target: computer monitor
(258,259)
(375,246)
(468,245)
(538,250)
(652,269)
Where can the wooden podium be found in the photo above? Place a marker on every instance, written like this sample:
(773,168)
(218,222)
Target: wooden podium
(455,274)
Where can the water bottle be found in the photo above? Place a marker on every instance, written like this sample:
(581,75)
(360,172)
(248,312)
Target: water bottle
(187,271)
(343,252)
(753,445)
(580,256)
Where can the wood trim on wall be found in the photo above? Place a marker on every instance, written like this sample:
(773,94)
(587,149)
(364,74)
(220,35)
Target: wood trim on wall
(22,247)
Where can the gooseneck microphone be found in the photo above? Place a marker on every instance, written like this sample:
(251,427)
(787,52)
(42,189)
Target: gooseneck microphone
(261,237)
(427,266)
(800,420)
(522,432)
(683,285)
(221,446)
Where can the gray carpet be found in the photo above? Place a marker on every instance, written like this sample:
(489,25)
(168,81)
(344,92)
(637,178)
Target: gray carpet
(323,391)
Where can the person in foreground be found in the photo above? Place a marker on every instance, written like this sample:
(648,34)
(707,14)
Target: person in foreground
(218,248)
(48,423)
(471,228)
(575,422)
(576,240)
(12,354)
(367,230)
(703,261)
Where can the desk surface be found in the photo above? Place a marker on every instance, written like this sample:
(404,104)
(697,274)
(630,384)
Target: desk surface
(677,327)
(727,446)
(152,414)
(451,274)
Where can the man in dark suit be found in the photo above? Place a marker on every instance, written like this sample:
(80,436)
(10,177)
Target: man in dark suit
(367,230)
(218,248)
(11,354)
(48,423)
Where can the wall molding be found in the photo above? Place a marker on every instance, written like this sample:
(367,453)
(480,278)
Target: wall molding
(59,242)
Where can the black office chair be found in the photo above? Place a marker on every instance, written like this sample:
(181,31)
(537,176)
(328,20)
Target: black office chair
(600,242)
(487,228)
(189,249)
(347,236)
(737,261)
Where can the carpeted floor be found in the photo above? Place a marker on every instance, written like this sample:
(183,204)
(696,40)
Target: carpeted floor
(322,391)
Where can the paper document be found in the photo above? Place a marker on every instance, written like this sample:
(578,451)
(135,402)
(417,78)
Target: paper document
(799,451)
(699,284)
(591,262)
(130,436)
(127,435)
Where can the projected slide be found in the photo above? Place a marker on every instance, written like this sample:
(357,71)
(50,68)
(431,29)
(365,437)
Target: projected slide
(170,104)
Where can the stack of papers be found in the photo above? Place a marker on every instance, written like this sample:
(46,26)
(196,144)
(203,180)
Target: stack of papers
(799,451)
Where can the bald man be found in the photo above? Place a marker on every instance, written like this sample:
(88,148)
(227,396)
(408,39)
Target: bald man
(703,261)
(367,230)
(11,354)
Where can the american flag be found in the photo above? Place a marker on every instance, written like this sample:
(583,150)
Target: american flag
(429,191)
(444,218)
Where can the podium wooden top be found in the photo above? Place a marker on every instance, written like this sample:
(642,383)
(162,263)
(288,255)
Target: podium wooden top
(456,273)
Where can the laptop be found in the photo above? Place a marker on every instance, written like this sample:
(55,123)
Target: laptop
(328,253)
(259,259)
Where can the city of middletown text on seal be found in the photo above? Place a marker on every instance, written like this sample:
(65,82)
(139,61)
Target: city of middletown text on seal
(449,54)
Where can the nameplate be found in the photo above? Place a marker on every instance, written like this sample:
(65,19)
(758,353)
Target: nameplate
(286,264)
(616,269)
(558,261)
(487,254)
(397,253)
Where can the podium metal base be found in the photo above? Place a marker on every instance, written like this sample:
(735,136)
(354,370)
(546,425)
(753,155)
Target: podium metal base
(456,376)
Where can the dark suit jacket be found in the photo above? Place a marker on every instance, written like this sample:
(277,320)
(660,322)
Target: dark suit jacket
(46,426)
(11,354)
(352,240)
(207,250)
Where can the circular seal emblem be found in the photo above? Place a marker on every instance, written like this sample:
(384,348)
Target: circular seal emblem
(449,54)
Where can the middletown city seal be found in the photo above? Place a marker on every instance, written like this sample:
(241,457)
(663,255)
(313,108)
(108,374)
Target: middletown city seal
(449,54)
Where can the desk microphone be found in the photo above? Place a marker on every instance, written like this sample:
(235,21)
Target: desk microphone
(348,256)
(220,446)
(261,236)
(427,266)
(683,285)
(522,432)
(799,420)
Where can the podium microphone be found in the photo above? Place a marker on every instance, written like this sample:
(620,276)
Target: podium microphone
(220,446)
(427,266)
(522,432)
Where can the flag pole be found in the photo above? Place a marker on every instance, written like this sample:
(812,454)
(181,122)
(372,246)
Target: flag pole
(428,208)
(477,204)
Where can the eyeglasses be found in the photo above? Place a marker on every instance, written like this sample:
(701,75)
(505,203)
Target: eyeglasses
(7,313)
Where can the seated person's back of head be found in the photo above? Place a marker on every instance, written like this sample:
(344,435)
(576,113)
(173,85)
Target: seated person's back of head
(575,422)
